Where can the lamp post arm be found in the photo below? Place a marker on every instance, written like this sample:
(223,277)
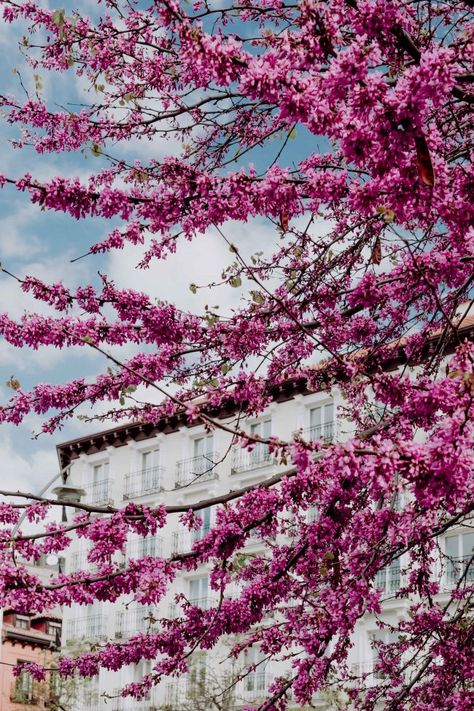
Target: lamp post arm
(45,488)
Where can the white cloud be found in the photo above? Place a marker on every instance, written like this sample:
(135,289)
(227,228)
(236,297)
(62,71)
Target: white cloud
(199,261)
(46,267)
(27,469)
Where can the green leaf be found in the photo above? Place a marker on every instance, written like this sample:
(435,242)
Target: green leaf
(235,282)
(258,297)
(239,561)
(212,319)
(58,17)
(96,150)
(292,133)
(193,288)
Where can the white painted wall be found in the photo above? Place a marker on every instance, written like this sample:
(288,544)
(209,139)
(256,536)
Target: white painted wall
(114,621)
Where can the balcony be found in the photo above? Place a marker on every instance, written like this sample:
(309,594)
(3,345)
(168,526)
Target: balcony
(205,603)
(255,685)
(389,579)
(196,469)
(143,482)
(183,542)
(91,629)
(175,694)
(100,492)
(133,621)
(143,547)
(130,704)
(460,567)
(79,562)
(364,671)
(326,432)
(173,611)
(243,460)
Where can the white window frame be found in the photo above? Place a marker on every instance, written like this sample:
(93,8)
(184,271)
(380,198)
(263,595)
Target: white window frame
(455,564)
(326,427)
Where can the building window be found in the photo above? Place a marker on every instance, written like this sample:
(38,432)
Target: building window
(23,691)
(199,592)
(147,479)
(460,558)
(22,622)
(201,465)
(196,678)
(379,639)
(100,471)
(321,423)
(150,470)
(202,447)
(260,454)
(54,685)
(313,514)
(99,492)
(256,680)
(388,578)
(203,530)
(54,630)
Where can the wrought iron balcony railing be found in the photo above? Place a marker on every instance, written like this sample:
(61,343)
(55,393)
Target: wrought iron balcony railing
(255,684)
(205,603)
(143,482)
(461,567)
(190,471)
(243,460)
(92,628)
(389,579)
(142,547)
(365,670)
(326,431)
(183,541)
(100,492)
(79,562)
(136,620)
(129,704)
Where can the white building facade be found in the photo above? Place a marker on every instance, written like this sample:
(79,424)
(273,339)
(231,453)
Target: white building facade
(182,465)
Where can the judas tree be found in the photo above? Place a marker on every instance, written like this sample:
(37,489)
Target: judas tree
(345,125)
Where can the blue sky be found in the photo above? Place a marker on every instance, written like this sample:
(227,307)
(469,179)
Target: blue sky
(44,243)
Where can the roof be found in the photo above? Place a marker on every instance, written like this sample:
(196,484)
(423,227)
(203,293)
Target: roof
(31,636)
(120,435)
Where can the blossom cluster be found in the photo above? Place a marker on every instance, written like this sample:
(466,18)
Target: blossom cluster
(367,286)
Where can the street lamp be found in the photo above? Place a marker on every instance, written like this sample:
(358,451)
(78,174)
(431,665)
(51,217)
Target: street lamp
(68,494)
(63,493)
